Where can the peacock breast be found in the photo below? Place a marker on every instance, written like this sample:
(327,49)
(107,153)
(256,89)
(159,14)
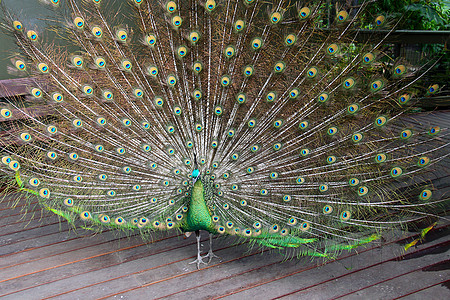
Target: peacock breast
(198,215)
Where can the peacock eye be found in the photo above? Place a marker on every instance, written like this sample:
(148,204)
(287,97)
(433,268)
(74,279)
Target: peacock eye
(171,6)
(210,5)
(275,17)
(304,13)
(79,22)
(32,35)
(256,43)
(97,31)
(17,25)
(177,21)
(122,35)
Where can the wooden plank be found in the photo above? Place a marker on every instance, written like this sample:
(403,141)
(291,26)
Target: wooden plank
(15,87)
(50,245)
(439,290)
(21,86)
(23,114)
(272,280)
(406,284)
(161,269)
(105,266)
(351,285)
(90,264)
(406,36)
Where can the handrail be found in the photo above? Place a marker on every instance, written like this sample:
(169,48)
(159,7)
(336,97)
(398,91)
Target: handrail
(400,36)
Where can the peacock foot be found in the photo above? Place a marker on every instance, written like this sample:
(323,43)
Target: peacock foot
(211,255)
(199,261)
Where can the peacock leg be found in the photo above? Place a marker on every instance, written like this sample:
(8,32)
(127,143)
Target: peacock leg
(199,259)
(210,254)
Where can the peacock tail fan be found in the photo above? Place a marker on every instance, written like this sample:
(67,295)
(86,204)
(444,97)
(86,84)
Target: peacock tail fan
(239,117)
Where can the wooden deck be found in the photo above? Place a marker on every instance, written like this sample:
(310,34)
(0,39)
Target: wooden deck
(40,258)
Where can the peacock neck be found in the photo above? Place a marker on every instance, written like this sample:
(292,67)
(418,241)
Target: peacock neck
(198,216)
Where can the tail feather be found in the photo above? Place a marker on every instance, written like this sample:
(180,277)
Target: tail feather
(302,134)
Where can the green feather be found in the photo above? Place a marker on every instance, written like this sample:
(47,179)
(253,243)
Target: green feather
(198,216)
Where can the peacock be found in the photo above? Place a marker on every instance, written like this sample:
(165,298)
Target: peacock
(269,121)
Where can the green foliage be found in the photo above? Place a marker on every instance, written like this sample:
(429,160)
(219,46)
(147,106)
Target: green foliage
(421,14)
(430,15)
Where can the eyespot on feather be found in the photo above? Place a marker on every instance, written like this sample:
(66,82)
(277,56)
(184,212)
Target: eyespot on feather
(345,215)
(239,25)
(97,32)
(20,65)
(194,37)
(210,5)
(32,35)
(304,13)
(342,16)
(177,21)
(43,68)
(256,44)
(290,39)
(171,7)
(17,25)
(332,49)
(5,113)
(121,35)
(276,17)
(379,21)
(368,58)
(78,22)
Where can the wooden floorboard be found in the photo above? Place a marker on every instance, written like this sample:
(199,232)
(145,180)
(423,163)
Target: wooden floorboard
(41,257)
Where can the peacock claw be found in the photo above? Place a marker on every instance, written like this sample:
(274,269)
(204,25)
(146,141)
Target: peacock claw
(211,255)
(198,261)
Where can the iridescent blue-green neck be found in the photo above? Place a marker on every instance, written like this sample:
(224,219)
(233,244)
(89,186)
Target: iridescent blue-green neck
(198,216)
(195,173)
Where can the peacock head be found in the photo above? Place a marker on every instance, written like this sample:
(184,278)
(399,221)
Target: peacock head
(195,175)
